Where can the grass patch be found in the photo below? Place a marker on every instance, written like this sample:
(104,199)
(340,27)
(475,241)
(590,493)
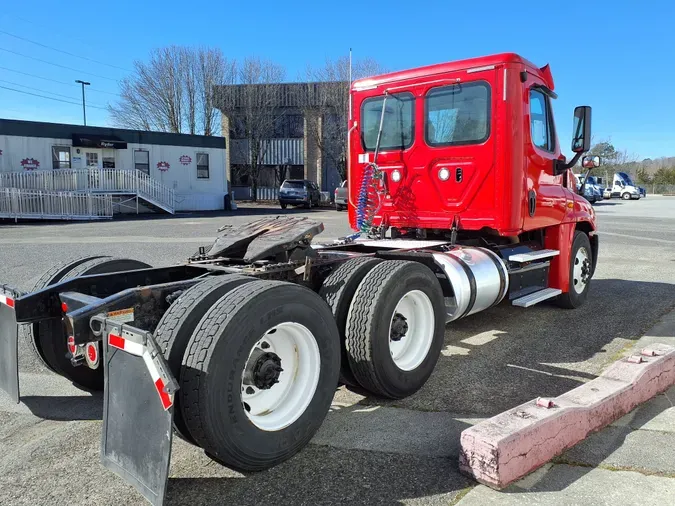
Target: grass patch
(461,495)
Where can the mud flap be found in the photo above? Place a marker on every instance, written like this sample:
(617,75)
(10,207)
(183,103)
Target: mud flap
(9,346)
(137,410)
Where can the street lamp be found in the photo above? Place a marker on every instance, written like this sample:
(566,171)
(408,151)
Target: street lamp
(84,110)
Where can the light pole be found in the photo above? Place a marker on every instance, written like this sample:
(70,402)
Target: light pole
(84,110)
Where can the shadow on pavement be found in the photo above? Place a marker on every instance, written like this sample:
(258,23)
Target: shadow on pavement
(65,408)
(321,475)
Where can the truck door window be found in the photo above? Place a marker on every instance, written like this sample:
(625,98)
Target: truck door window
(457,114)
(540,121)
(397,129)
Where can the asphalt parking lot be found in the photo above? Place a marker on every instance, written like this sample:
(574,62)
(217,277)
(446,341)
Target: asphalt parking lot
(369,451)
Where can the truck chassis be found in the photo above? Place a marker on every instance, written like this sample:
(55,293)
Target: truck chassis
(240,349)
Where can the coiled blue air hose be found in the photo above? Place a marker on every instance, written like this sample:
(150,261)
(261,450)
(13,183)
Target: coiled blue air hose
(368,203)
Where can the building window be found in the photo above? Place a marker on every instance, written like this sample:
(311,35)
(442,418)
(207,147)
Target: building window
(61,157)
(398,126)
(92,159)
(108,159)
(202,165)
(457,114)
(142,160)
(541,127)
(289,126)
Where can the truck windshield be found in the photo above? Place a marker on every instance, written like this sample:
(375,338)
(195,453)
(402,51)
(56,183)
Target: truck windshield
(397,129)
(626,178)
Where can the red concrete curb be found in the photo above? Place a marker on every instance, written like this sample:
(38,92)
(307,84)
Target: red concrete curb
(503,449)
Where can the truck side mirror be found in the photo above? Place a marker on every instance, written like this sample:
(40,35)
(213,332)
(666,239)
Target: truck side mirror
(581,135)
(590,162)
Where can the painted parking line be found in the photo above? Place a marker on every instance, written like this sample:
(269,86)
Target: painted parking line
(637,237)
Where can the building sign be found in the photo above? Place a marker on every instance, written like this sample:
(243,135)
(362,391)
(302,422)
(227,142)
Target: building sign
(185,159)
(30,164)
(98,141)
(163,166)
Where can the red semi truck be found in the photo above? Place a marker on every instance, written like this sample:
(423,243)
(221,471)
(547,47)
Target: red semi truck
(460,198)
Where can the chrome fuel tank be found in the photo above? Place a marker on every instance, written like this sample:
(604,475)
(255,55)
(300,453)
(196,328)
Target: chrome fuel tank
(478,277)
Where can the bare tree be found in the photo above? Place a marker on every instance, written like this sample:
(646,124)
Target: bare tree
(331,103)
(253,105)
(173,91)
(281,172)
(213,70)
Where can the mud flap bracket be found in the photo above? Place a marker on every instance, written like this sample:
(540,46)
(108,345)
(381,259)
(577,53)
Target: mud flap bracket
(137,409)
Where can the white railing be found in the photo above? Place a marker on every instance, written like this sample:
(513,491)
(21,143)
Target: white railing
(18,203)
(94,181)
(267,193)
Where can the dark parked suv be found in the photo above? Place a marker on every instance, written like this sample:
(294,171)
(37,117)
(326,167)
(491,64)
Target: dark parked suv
(299,192)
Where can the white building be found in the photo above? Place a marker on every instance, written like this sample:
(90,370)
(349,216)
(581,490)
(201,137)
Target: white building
(192,166)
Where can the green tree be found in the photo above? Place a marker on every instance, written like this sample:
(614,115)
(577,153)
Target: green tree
(642,176)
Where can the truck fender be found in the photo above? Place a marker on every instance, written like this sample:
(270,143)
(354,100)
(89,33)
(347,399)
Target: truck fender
(560,237)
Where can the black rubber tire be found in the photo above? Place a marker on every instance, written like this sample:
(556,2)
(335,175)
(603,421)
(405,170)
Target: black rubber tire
(625,196)
(177,325)
(53,345)
(31,331)
(368,323)
(284,206)
(339,208)
(215,359)
(338,290)
(572,299)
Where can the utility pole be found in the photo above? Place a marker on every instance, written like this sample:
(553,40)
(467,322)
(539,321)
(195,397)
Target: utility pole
(84,109)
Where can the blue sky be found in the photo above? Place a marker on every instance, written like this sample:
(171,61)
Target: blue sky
(618,59)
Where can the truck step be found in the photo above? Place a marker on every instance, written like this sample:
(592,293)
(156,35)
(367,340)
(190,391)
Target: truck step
(536,297)
(533,255)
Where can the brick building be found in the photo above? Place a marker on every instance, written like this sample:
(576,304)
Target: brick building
(298,140)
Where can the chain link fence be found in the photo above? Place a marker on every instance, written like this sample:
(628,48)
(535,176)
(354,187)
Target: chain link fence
(659,189)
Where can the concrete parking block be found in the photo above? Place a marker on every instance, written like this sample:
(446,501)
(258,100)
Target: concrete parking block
(505,448)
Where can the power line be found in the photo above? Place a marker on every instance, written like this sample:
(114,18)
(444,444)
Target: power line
(57,65)
(38,89)
(65,52)
(56,81)
(50,98)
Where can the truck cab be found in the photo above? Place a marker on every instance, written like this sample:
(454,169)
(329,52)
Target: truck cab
(469,146)
(623,187)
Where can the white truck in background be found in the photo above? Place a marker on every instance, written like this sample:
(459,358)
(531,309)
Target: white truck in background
(623,187)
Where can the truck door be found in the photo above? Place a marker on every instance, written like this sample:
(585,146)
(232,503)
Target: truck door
(545,199)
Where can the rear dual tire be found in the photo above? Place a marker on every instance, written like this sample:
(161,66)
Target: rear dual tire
(395,328)
(177,325)
(250,331)
(49,337)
